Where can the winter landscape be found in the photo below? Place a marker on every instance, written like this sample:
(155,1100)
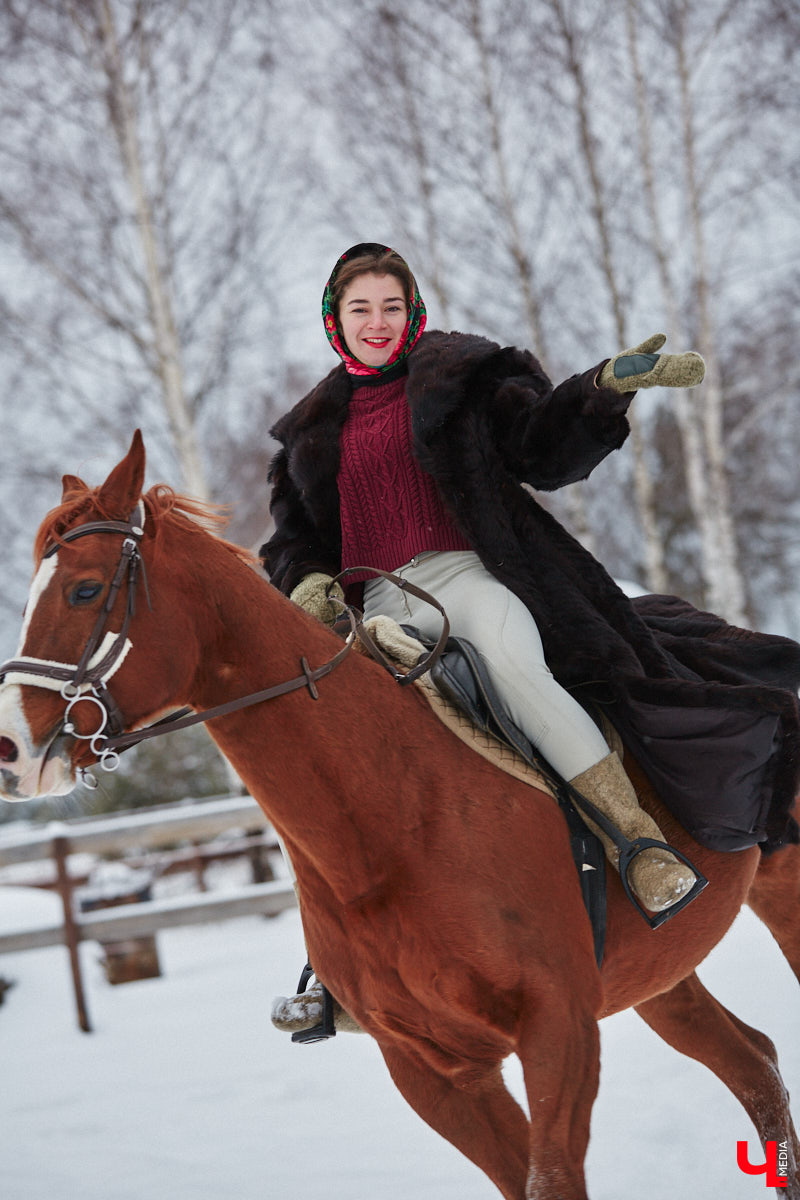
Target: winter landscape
(176,182)
(184,1089)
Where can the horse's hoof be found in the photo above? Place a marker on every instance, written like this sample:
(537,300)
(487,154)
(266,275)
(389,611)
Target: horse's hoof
(659,879)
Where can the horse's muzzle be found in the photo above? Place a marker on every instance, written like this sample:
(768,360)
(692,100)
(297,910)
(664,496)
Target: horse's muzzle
(28,771)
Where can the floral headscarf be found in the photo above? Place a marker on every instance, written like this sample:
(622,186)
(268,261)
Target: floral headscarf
(410,335)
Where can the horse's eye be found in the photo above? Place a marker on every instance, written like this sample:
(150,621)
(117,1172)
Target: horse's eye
(85,592)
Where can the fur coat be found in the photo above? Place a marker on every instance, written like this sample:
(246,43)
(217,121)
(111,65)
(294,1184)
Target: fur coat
(710,711)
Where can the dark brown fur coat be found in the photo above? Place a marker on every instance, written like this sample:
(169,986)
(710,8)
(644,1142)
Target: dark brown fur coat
(710,711)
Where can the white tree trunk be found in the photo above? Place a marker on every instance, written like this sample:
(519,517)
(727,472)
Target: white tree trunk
(505,200)
(654,564)
(726,593)
(684,405)
(165,337)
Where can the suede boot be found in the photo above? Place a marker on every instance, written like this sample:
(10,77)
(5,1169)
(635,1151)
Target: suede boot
(294,1013)
(656,876)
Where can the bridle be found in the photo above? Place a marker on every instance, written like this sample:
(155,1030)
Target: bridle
(87,680)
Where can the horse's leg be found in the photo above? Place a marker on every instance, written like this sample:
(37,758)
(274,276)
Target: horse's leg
(774,896)
(690,1019)
(560,1054)
(475,1112)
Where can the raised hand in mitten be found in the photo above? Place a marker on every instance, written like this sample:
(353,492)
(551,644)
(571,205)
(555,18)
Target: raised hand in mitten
(312,594)
(642,367)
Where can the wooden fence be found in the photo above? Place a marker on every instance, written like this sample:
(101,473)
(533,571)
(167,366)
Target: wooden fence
(150,830)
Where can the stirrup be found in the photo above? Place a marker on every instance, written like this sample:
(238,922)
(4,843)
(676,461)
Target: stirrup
(628,851)
(325,1027)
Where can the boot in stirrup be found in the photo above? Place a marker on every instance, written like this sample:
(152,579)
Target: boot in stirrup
(312,1015)
(656,876)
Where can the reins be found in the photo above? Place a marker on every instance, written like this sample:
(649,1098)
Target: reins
(427,660)
(86,681)
(309,677)
(186,717)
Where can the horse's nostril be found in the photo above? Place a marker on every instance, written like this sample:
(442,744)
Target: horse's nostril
(8,750)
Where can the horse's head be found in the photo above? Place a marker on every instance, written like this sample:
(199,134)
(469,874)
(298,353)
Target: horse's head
(74,676)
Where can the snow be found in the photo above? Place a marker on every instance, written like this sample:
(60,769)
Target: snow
(28,908)
(185,1090)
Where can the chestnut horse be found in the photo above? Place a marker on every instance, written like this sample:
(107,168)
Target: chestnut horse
(439,898)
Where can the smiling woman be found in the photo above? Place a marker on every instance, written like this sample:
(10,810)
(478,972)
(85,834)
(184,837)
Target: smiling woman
(373,316)
(409,459)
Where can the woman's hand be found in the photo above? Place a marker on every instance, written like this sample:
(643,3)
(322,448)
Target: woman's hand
(641,367)
(312,594)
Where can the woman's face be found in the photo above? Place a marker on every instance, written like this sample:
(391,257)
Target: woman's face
(372,316)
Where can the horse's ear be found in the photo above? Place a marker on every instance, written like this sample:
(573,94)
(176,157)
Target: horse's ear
(121,491)
(69,485)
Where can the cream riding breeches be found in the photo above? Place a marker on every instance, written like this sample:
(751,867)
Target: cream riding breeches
(502,630)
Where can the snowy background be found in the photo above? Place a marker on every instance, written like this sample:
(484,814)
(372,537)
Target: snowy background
(184,1089)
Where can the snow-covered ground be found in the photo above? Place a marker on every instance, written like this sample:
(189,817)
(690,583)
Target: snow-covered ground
(185,1091)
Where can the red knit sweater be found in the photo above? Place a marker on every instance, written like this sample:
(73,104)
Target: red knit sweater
(390,508)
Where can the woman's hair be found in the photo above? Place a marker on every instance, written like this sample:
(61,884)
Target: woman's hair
(378,262)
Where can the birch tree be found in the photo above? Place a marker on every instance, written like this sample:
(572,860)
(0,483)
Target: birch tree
(570,32)
(144,191)
(712,506)
(724,165)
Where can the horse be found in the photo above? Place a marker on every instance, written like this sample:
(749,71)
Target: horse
(439,898)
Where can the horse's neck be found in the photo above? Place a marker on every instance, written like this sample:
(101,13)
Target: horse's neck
(325,794)
(249,636)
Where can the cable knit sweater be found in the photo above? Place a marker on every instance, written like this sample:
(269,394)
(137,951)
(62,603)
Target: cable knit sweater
(390,508)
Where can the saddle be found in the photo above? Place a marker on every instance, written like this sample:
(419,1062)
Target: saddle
(456,671)
(460,677)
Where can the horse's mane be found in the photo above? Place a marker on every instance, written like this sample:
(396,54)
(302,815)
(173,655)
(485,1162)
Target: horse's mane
(161,502)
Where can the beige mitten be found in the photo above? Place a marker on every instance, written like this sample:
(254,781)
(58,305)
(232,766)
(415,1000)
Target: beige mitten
(641,367)
(311,594)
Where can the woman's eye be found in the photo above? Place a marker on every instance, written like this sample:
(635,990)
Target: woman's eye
(84,593)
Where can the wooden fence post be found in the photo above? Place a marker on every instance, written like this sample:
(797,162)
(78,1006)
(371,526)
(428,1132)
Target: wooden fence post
(71,932)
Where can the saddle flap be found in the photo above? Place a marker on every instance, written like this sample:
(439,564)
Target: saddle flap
(460,675)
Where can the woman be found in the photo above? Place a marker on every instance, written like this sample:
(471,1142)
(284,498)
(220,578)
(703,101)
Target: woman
(410,456)
(408,501)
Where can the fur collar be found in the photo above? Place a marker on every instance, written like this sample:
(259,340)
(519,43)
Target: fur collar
(440,371)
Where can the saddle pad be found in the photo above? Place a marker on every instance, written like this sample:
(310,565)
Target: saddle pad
(485,744)
(405,651)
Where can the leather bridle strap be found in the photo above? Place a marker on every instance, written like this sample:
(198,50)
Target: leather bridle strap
(427,660)
(128,564)
(186,717)
(75,679)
